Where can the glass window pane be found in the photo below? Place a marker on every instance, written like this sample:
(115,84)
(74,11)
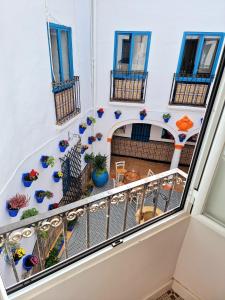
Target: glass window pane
(139,52)
(65,55)
(123,52)
(215,205)
(54,53)
(208,55)
(188,60)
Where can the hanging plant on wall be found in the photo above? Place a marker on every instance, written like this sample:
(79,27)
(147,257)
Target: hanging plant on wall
(63,145)
(40,195)
(28,178)
(31,212)
(83,148)
(99,136)
(117,113)
(47,161)
(100,112)
(90,120)
(57,176)
(143,114)
(16,203)
(82,128)
(182,137)
(166,117)
(91,139)
(53,206)
(29,261)
(17,253)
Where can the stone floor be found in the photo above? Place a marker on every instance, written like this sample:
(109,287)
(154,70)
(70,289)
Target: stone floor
(170,295)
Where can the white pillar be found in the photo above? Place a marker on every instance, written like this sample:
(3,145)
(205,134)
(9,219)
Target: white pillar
(176,157)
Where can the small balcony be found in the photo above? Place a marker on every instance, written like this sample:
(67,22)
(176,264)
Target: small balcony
(190,90)
(67,99)
(128,86)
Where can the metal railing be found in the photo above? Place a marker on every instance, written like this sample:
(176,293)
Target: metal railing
(67,99)
(190,90)
(101,220)
(128,86)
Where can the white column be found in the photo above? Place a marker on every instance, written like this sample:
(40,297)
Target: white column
(176,157)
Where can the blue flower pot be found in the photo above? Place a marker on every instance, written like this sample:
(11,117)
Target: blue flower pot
(82,151)
(89,122)
(12,212)
(142,117)
(181,139)
(25,182)
(25,259)
(39,199)
(100,114)
(90,141)
(117,115)
(100,179)
(56,179)
(62,148)
(99,139)
(43,163)
(166,120)
(81,130)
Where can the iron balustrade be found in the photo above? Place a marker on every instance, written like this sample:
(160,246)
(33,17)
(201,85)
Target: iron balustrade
(67,99)
(128,86)
(190,90)
(101,220)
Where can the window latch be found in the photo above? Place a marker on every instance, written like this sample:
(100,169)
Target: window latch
(116,243)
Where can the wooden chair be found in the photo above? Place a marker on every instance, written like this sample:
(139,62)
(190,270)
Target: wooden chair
(120,170)
(119,177)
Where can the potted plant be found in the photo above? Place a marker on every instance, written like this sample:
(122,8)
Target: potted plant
(98,136)
(53,206)
(182,137)
(90,120)
(49,194)
(100,112)
(82,128)
(71,224)
(40,195)
(83,149)
(16,203)
(166,117)
(47,161)
(88,158)
(29,261)
(28,178)
(117,114)
(143,114)
(100,175)
(91,139)
(57,176)
(63,145)
(31,212)
(17,253)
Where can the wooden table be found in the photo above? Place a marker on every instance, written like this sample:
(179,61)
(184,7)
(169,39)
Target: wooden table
(131,176)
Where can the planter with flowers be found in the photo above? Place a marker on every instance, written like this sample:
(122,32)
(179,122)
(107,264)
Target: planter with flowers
(166,117)
(63,145)
(100,112)
(57,176)
(47,161)
(16,203)
(88,158)
(40,195)
(182,137)
(28,178)
(143,114)
(91,139)
(82,128)
(90,120)
(29,261)
(83,149)
(53,206)
(17,253)
(117,114)
(98,136)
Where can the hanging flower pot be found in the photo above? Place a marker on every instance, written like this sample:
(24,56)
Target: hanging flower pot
(29,261)
(39,196)
(47,161)
(82,128)
(88,158)
(166,117)
(182,137)
(143,114)
(16,203)
(100,112)
(91,139)
(90,120)
(53,206)
(83,149)
(57,176)
(17,254)
(63,145)
(117,114)
(28,178)
(98,136)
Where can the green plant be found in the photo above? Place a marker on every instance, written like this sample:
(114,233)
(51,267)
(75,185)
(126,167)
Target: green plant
(43,234)
(49,194)
(29,213)
(166,116)
(52,259)
(89,157)
(50,161)
(99,163)
(71,223)
(92,119)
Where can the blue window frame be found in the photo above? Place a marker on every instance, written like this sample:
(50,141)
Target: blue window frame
(61,53)
(131,52)
(199,56)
